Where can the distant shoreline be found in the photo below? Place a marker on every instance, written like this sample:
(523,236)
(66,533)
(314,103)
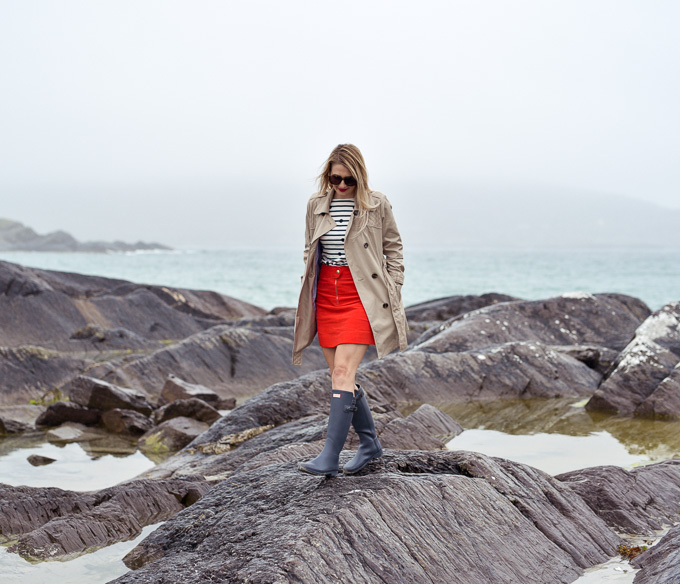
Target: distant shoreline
(15,236)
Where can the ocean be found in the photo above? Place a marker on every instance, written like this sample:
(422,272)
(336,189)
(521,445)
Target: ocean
(271,277)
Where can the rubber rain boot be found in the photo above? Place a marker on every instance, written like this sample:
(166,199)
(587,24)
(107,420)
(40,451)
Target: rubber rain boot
(369,445)
(343,406)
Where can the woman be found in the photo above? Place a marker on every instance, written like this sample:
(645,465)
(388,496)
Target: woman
(351,295)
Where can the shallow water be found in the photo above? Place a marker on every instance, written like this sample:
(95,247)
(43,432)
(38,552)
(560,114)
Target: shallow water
(96,567)
(614,571)
(560,435)
(552,453)
(85,466)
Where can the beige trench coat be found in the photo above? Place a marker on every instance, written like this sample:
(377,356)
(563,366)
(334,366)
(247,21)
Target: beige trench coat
(376,261)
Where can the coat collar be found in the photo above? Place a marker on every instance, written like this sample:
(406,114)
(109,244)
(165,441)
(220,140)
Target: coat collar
(322,203)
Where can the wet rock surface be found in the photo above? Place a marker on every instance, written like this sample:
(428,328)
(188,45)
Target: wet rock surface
(660,564)
(127,422)
(171,436)
(27,372)
(61,412)
(103,396)
(638,501)
(17,420)
(37,460)
(189,408)
(8,426)
(54,325)
(645,380)
(427,314)
(176,388)
(417,516)
(233,361)
(48,307)
(70,432)
(607,320)
(49,523)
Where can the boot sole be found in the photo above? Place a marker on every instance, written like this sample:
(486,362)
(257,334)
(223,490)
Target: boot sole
(351,472)
(327,473)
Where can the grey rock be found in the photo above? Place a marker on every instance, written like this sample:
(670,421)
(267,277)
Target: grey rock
(127,422)
(8,426)
(101,395)
(189,408)
(73,432)
(638,501)
(19,419)
(108,339)
(61,412)
(25,413)
(171,436)
(598,358)
(37,460)
(664,401)
(28,372)
(646,376)
(607,320)
(425,429)
(521,369)
(443,309)
(660,564)
(422,317)
(47,308)
(420,517)
(234,362)
(55,325)
(176,388)
(49,523)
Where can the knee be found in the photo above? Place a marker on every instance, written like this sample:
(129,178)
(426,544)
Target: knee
(341,374)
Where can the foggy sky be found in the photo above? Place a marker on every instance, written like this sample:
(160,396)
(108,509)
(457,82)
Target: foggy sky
(204,123)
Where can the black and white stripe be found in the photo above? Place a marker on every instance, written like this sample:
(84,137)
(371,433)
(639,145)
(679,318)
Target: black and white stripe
(333,243)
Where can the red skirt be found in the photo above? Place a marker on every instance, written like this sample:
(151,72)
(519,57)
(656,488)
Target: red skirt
(340,316)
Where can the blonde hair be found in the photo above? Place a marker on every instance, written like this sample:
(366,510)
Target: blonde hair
(350,156)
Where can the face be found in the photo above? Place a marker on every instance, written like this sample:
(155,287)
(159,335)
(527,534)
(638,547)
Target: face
(342,191)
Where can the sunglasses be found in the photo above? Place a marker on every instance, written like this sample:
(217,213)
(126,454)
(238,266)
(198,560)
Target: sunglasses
(336,179)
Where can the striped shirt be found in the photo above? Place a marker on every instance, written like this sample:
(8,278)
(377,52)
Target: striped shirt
(333,243)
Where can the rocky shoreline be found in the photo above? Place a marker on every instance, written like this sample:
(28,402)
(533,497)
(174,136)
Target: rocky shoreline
(208,377)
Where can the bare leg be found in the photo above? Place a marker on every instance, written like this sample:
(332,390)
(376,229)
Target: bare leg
(329,354)
(346,361)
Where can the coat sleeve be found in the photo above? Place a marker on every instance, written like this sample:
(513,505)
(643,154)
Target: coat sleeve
(393,250)
(309,226)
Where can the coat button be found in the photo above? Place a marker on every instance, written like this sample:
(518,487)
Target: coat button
(356,212)
(365,244)
(385,305)
(374,276)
